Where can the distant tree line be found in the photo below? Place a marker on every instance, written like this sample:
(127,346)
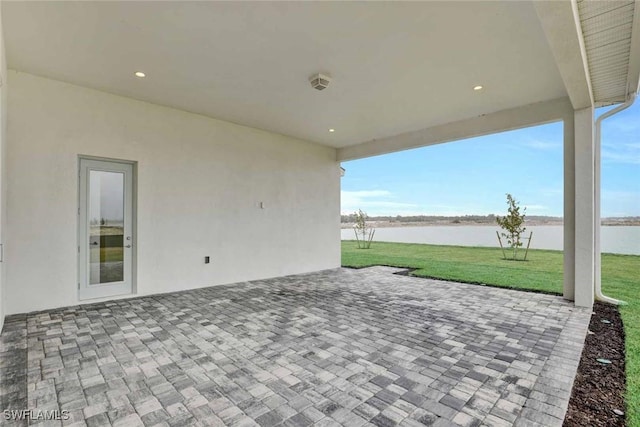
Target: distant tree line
(351,218)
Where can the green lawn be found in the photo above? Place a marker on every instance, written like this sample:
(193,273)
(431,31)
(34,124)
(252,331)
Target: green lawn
(542,271)
(107,254)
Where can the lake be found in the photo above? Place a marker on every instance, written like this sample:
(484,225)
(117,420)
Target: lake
(614,239)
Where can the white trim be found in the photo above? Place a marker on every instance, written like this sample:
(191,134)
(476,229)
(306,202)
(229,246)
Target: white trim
(569,209)
(584,207)
(597,260)
(561,24)
(633,78)
(514,118)
(126,287)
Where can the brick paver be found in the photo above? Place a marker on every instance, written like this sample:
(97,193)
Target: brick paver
(339,347)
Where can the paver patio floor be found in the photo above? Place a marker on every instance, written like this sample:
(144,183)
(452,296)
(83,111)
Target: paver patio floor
(339,347)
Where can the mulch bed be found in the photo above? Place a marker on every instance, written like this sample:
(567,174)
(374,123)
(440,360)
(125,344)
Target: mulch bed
(598,390)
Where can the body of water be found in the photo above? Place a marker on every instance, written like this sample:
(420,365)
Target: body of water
(618,239)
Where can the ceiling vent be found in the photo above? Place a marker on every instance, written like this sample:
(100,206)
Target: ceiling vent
(320,81)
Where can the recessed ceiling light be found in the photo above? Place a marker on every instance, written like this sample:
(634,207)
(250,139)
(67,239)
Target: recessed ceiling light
(140,74)
(332,130)
(478,87)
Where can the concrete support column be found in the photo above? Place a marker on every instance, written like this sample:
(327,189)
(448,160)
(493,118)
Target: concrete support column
(568,289)
(585,209)
(597,219)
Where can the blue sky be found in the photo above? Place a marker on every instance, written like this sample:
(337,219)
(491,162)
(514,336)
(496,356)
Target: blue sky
(472,176)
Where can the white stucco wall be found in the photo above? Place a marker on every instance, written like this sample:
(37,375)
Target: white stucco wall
(3,181)
(200,182)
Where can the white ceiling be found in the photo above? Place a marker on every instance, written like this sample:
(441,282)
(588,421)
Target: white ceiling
(396,67)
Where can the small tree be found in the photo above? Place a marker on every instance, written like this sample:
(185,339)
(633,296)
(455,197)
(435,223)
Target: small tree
(364,232)
(513,225)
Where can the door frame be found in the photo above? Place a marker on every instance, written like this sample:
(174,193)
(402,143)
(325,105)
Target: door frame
(82,293)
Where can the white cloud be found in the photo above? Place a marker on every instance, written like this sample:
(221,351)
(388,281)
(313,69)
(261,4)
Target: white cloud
(553,192)
(543,145)
(620,124)
(385,203)
(623,156)
(620,203)
(620,152)
(374,202)
(363,194)
(536,208)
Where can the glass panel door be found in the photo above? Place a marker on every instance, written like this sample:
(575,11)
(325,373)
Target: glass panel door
(105,228)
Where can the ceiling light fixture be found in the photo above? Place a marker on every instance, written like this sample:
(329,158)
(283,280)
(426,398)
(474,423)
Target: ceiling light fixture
(140,74)
(478,87)
(332,130)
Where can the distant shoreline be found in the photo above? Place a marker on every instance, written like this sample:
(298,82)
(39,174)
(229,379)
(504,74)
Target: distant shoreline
(462,222)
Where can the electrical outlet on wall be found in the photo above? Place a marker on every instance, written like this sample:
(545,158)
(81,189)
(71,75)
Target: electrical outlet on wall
(207,260)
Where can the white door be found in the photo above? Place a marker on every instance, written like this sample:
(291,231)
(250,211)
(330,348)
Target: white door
(105,247)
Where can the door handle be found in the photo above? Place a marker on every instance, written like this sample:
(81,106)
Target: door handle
(127,246)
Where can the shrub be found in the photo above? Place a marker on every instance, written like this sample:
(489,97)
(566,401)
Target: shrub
(513,226)
(364,232)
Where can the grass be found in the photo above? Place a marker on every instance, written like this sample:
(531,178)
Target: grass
(543,271)
(107,254)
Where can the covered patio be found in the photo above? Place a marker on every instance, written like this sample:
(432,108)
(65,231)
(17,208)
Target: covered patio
(210,112)
(227,304)
(337,347)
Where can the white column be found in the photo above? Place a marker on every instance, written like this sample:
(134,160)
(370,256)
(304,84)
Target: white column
(585,214)
(568,289)
(597,174)
(3,169)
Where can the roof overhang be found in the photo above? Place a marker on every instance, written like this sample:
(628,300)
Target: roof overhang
(633,78)
(561,24)
(611,34)
(399,69)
